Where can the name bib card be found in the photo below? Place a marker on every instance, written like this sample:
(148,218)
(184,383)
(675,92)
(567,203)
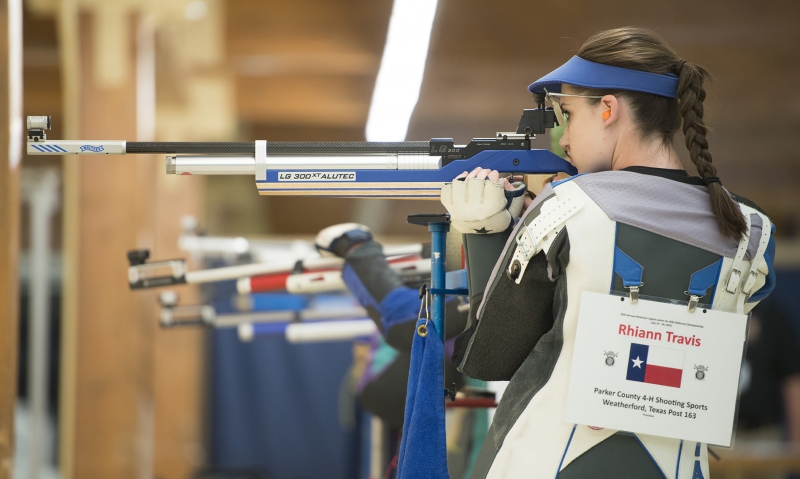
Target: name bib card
(655,368)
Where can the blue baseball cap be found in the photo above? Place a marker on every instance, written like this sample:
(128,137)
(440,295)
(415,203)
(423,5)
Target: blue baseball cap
(583,73)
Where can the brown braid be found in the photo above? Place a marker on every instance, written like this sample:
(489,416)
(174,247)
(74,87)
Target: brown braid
(661,117)
(690,100)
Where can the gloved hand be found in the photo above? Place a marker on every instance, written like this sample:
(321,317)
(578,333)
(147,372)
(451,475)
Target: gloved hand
(482,203)
(337,240)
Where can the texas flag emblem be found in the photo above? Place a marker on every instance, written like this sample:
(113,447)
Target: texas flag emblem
(649,364)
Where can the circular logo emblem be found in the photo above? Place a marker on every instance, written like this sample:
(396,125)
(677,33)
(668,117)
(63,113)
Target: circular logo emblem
(609,357)
(700,372)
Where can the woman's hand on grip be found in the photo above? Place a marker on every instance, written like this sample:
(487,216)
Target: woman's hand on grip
(480,202)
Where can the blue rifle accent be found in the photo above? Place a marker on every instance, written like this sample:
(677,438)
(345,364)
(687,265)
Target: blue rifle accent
(93,148)
(698,471)
(427,183)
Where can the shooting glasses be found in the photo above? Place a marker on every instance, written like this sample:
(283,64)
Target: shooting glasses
(555,99)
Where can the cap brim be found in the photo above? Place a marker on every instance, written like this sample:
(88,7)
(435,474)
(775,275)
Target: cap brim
(583,73)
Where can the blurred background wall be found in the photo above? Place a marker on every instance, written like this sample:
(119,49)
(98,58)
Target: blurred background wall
(127,399)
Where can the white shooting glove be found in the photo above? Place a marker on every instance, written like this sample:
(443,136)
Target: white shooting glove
(337,240)
(479,206)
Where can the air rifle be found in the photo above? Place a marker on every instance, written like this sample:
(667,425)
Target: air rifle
(405,169)
(306,275)
(410,269)
(309,324)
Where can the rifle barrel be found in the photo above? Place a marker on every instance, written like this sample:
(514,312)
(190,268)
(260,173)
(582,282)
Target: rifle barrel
(197,147)
(304,148)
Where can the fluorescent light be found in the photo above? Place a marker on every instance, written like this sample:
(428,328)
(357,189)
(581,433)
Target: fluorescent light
(402,66)
(196,10)
(146,79)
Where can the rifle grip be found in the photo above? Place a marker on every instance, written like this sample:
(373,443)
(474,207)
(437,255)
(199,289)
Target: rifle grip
(537,182)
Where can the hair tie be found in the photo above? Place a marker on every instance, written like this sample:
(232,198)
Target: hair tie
(679,66)
(707,180)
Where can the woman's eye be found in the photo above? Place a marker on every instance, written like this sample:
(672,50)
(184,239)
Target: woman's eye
(566,115)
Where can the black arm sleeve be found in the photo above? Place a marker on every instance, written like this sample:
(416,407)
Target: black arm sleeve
(513,317)
(376,280)
(481,253)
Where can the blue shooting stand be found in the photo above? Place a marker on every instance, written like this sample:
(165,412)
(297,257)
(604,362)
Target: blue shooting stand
(423,449)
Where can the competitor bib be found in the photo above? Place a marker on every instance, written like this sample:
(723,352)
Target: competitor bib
(655,368)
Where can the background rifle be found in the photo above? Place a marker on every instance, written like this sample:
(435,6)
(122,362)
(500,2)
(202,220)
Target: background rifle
(305,275)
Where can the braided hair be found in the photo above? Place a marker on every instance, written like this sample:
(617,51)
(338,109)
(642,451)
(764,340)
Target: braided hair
(690,100)
(658,116)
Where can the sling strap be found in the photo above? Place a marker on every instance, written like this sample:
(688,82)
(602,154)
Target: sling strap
(530,238)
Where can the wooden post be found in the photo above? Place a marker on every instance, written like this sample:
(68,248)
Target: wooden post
(69,51)
(131,395)
(10,146)
(110,396)
(179,360)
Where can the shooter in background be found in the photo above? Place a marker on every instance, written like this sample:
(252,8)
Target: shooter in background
(395,307)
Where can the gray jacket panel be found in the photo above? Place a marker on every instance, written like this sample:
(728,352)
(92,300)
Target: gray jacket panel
(669,208)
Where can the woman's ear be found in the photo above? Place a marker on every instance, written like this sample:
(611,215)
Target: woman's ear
(609,105)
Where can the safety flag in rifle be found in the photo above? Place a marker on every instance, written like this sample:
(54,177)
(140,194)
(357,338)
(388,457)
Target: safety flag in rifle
(423,449)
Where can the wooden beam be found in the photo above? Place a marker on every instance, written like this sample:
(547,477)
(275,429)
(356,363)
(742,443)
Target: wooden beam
(306,63)
(9,230)
(69,62)
(132,396)
(318,101)
(179,354)
(257,27)
(108,395)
